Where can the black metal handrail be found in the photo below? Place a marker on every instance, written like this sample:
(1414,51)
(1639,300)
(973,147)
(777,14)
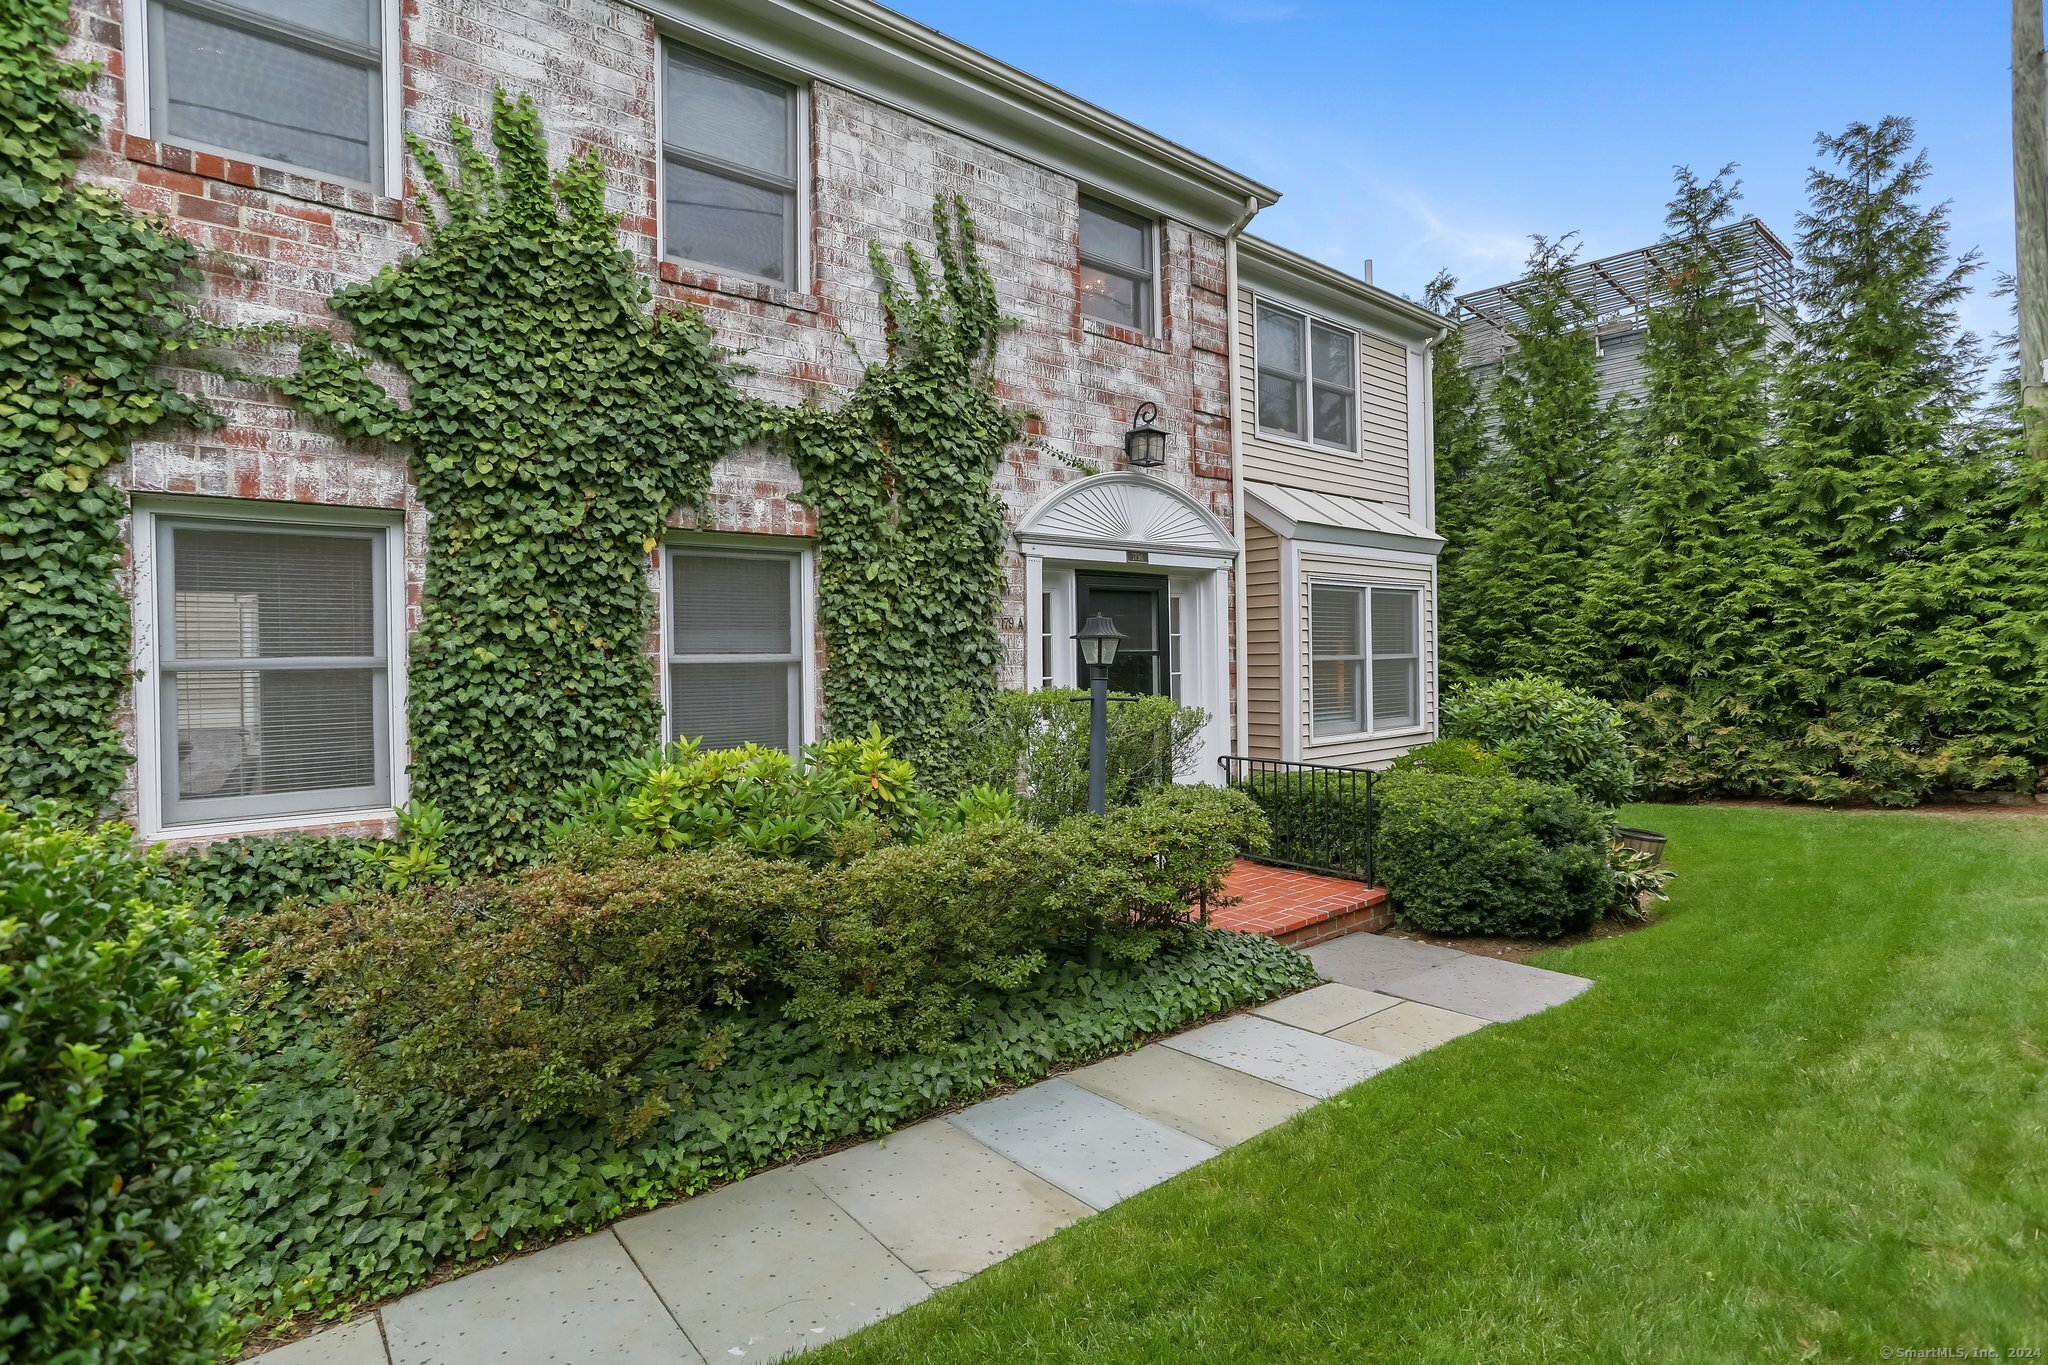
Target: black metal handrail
(1321,814)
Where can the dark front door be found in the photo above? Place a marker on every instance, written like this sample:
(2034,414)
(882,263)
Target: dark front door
(1137,604)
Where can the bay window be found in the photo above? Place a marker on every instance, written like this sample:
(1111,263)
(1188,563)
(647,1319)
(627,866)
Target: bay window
(1365,659)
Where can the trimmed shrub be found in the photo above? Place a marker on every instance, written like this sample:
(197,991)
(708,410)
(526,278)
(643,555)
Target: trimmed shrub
(1470,855)
(1142,871)
(834,800)
(1036,745)
(544,993)
(115,1083)
(885,960)
(1548,732)
(1453,757)
(340,1200)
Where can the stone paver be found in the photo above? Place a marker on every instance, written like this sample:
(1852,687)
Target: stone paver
(1370,961)
(767,1266)
(580,1303)
(352,1343)
(1325,1009)
(1208,1101)
(1295,1058)
(1093,1148)
(1488,988)
(943,1203)
(1408,1028)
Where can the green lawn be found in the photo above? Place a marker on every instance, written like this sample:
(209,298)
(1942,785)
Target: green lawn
(1804,1116)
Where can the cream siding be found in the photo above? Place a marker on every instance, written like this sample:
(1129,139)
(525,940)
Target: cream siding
(1372,750)
(1378,469)
(1262,641)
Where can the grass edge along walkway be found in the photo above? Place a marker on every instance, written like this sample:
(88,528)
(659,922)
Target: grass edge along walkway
(1804,1116)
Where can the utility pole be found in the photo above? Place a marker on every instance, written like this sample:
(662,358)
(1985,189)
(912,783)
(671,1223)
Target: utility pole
(2030,209)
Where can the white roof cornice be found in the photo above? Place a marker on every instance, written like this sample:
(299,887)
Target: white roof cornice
(1332,293)
(883,56)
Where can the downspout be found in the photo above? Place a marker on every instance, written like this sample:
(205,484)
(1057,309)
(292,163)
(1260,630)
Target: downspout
(1241,593)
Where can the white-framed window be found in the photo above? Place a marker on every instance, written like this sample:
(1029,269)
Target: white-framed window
(278,659)
(1365,659)
(731,145)
(1308,378)
(1175,640)
(1119,266)
(734,650)
(300,84)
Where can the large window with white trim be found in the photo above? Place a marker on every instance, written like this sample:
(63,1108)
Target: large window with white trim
(729,166)
(1307,378)
(293,82)
(1365,659)
(735,647)
(1118,265)
(274,653)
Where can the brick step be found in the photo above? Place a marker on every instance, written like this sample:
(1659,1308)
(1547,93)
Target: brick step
(1299,908)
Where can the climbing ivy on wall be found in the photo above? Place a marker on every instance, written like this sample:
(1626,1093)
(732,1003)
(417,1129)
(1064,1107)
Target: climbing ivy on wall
(91,297)
(554,423)
(910,531)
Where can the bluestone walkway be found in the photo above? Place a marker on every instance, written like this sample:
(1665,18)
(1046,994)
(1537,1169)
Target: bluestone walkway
(802,1254)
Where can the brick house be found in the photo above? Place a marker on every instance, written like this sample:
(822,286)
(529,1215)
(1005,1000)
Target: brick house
(754,148)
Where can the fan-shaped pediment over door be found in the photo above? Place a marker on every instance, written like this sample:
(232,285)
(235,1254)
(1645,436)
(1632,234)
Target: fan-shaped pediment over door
(1126,512)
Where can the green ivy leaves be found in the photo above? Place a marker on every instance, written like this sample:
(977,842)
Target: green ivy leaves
(910,531)
(91,297)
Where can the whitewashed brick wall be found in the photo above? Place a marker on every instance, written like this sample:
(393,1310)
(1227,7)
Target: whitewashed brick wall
(279,244)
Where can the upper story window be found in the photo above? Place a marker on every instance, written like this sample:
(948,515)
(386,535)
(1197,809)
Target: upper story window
(729,167)
(275,645)
(294,82)
(1365,652)
(1118,266)
(1308,378)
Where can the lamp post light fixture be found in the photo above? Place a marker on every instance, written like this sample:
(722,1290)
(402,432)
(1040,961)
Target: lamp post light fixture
(1098,640)
(1145,444)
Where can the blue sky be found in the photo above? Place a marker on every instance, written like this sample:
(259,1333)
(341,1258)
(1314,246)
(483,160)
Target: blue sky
(1427,135)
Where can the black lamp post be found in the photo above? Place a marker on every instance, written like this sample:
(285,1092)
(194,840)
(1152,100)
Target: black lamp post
(1145,444)
(1099,639)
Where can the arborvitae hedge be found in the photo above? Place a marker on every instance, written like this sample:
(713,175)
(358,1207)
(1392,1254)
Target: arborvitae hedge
(1814,574)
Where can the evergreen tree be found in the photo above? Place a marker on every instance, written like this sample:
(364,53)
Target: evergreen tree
(1894,515)
(1530,516)
(1683,589)
(1464,491)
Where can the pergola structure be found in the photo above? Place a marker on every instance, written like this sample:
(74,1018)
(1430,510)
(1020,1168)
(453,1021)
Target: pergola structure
(1622,288)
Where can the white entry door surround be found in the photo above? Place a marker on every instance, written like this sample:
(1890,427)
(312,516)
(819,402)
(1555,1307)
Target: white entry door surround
(1132,523)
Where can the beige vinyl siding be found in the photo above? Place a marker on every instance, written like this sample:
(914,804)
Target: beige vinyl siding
(1378,469)
(1377,750)
(1262,641)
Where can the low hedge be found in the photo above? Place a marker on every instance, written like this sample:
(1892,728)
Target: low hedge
(335,1198)
(1548,732)
(1474,855)
(116,1080)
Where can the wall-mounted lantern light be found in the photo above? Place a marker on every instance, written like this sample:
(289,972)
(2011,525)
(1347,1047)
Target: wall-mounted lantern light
(1145,444)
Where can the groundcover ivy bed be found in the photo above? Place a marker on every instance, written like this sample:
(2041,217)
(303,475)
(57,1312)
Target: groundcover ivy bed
(335,1198)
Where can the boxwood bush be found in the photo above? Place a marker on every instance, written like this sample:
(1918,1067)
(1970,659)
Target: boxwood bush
(1476,855)
(1548,732)
(115,1082)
